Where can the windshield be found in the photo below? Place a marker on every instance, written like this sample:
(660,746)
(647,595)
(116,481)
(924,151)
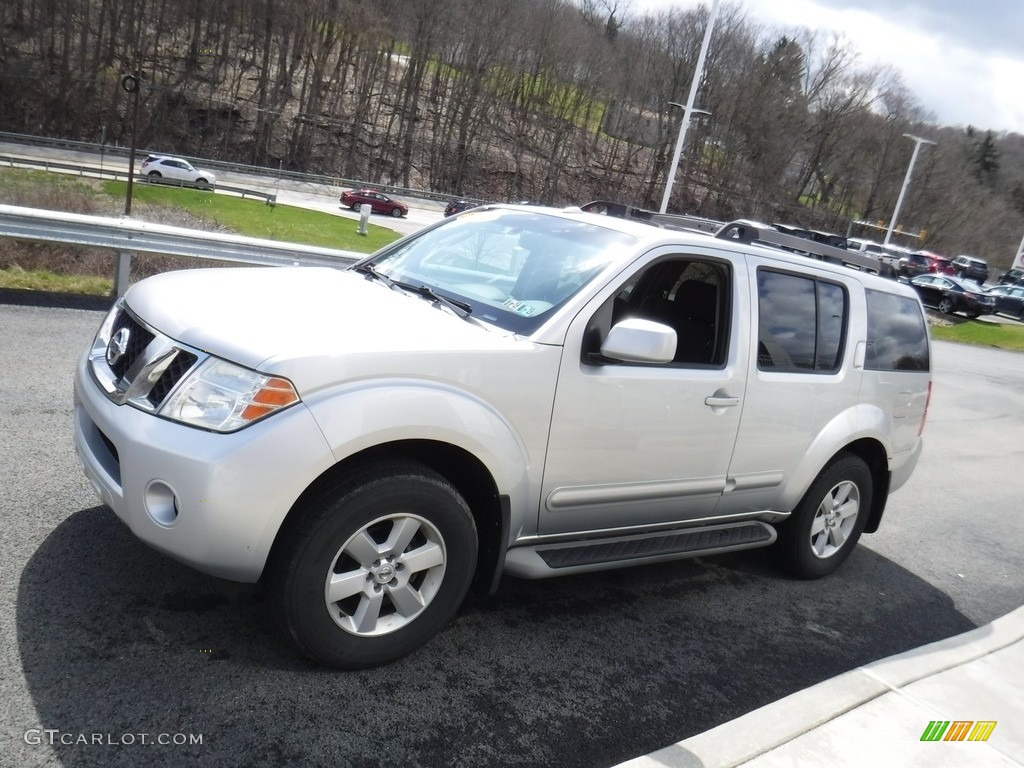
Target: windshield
(511,267)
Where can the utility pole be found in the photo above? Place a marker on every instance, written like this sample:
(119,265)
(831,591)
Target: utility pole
(131,84)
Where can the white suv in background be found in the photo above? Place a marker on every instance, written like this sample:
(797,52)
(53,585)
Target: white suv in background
(159,168)
(515,390)
(889,255)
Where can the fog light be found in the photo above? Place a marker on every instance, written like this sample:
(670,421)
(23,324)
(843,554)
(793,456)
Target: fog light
(161,503)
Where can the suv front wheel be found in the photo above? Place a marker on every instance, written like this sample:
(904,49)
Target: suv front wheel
(824,528)
(376,566)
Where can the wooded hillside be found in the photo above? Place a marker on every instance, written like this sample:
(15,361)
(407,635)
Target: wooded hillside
(549,100)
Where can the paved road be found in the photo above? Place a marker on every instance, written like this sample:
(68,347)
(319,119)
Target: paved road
(321,197)
(105,640)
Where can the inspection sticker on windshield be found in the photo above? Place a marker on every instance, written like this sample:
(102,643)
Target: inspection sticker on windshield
(519,307)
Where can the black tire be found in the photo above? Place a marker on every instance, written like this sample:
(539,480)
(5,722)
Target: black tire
(154,176)
(945,306)
(355,207)
(834,509)
(396,212)
(973,315)
(202,183)
(337,536)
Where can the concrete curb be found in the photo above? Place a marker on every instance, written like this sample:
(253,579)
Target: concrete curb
(770,727)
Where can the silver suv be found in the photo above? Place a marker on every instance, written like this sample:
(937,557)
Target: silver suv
(516,391)
(971,268)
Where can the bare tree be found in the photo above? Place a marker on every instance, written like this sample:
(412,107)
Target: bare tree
(551,100)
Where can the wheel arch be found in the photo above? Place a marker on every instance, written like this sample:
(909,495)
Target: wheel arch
(465,472)
(863,430)
(873,454)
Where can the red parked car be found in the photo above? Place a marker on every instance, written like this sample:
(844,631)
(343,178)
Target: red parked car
(942,266)
(380,203)
(924,263)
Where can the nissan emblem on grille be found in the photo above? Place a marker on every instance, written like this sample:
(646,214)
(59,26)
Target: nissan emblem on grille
(118,344)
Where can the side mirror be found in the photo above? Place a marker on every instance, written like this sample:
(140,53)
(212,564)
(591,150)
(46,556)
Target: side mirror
(635,340)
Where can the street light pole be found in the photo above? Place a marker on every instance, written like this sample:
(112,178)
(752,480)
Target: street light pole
(688,109)
(918,141)
(683,125)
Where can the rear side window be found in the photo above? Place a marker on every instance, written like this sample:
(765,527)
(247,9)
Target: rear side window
(801,323)
(897,334)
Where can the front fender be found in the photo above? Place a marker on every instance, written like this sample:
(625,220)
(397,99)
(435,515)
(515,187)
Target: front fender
(365,414)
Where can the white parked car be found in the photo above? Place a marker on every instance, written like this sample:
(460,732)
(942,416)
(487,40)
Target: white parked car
(513,390)
(175,170)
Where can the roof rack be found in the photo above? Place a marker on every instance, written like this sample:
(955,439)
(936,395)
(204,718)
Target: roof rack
(755,232)
(664,220)
(828,238)
(747,232)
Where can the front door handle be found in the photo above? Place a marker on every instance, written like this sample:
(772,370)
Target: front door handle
(721,401)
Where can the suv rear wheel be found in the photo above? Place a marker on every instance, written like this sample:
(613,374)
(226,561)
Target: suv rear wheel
(824,528)
(376,566)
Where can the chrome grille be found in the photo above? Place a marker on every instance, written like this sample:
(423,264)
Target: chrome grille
(149,367)
(138,339)
(180,365)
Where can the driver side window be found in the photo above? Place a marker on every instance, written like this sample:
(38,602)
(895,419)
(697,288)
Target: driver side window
(689,295)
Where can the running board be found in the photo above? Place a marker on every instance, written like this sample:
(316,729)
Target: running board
(539,561)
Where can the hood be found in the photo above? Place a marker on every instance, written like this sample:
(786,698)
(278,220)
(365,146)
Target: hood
(273,317)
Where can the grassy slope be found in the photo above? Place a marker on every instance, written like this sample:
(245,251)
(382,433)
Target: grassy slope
(42,280)
(256,219)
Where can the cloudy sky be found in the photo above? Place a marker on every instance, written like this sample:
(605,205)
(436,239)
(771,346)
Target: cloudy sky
(962,59)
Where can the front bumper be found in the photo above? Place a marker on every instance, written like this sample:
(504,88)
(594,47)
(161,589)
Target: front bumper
(212,501)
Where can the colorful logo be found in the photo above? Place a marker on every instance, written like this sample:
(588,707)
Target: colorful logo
(958,730)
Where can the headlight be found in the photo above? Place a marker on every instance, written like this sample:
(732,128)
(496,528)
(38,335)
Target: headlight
(224,397)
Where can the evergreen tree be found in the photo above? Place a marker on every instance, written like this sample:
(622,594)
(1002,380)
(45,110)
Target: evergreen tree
(986,158)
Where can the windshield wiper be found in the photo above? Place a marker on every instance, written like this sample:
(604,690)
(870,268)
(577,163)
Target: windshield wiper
(371,272)
(460,308)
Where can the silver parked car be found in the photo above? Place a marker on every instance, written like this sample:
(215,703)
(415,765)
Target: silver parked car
(514,390)
(971,268)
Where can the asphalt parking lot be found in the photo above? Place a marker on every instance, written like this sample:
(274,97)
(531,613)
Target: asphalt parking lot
(109,647)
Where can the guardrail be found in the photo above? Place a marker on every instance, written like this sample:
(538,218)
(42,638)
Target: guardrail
(270,198)
(126,237)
